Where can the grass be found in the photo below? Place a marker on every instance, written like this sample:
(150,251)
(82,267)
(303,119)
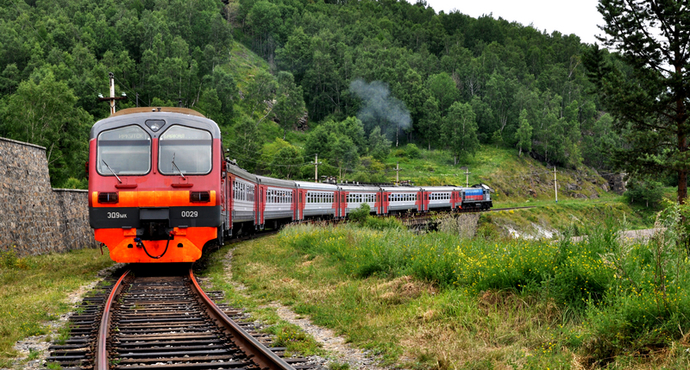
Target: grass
(438,302)
(213,267)
(515,179)
(33,290)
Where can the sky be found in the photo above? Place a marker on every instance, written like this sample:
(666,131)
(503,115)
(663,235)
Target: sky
(565,16)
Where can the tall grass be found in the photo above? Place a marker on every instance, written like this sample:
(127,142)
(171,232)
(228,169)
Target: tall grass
(628,297)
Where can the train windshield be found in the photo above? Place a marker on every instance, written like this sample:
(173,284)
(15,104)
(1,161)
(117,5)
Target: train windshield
(124,151)
(184,150)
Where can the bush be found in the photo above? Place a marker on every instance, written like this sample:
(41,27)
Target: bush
(360,214)
(412,151)
(644,192)
(382,223)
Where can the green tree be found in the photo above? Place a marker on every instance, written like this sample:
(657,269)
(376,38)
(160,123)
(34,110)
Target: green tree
(442,87)
(335,142)
(460,130)
(651,98)
(379,145)
(524,134)
(259,90)
(282,159)
(42,111)
(289,106)
(430,125)
(244,144)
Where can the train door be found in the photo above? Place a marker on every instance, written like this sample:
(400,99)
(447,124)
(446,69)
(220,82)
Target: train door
(294,204)
(419,201)
(229,199)
(377,203)
(343,204)
(385,202)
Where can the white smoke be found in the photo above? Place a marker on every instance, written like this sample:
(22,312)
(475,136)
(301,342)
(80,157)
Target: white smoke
(379,108)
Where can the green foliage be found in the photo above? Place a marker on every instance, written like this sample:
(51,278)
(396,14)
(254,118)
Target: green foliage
(9,259)
(633,297)
(360,214)
(56,56)
(379,146)
(382,223)
(646,93)
(646,192)
(73,183)
(293,338)
(283,159)
(244,143)
(524,133)
(336,142)
(289,106)
(412,151)
(460,130)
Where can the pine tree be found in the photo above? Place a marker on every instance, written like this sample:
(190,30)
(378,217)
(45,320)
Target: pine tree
(649,98)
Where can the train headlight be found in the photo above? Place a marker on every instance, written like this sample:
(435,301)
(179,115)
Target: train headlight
(108,198)
(199,196)
(155,124)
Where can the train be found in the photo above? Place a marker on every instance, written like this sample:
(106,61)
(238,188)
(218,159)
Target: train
(161,190)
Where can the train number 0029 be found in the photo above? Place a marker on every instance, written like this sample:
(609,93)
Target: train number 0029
(190,214)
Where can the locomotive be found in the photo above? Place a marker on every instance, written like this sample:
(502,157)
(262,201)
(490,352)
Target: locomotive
(160,189)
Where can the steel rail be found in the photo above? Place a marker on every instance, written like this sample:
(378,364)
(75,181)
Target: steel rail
(101,350)
(263,356)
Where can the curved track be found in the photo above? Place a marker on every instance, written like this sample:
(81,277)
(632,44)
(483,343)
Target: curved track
(169,322)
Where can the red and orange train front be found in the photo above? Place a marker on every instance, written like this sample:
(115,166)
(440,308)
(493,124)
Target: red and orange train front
(154,184)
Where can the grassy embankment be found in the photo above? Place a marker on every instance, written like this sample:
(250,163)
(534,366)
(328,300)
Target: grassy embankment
(439,302)
(33,290)
(523,181)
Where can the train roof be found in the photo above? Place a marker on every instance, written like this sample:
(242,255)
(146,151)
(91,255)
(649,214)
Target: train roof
(240,172)
(315,185)
(360,188)
(263,180)
(401,189)
(441,188)
(171,116)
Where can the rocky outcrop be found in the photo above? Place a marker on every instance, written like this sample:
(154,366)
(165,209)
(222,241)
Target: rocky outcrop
(616,182)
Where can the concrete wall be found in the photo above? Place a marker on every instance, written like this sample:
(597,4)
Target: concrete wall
(35,218)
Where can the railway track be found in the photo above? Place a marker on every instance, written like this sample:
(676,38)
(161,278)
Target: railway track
(164,322)
(169,322)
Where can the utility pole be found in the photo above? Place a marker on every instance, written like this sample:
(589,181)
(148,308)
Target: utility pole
(316,164)
(112,97)
(555,183)
(397,173)
(467,175)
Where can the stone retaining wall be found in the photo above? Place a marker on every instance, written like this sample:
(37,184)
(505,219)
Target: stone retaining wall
(35,218)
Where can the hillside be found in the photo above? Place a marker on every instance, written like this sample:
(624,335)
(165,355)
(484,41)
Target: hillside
(395,72)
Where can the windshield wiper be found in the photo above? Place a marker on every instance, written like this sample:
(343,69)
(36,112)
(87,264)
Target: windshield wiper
(178,168)
(111,170)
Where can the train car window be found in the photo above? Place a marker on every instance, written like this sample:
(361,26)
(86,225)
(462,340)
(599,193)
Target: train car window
(185,150)
(124,151)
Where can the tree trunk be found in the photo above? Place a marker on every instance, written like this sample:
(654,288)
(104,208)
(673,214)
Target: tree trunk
(682,147)
(682,186)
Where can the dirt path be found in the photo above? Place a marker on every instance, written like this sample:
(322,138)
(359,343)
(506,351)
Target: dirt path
(340,351)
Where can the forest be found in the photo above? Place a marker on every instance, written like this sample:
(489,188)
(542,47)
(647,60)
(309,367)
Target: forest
(347,80)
